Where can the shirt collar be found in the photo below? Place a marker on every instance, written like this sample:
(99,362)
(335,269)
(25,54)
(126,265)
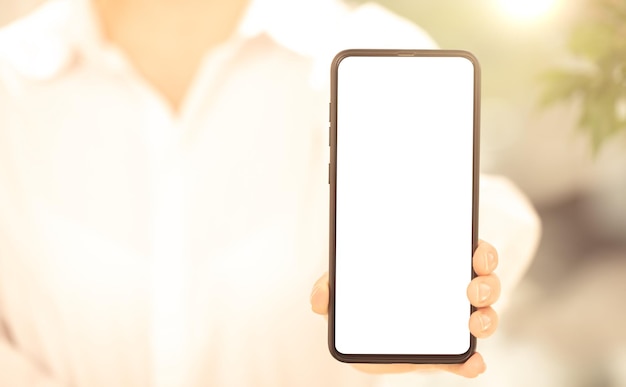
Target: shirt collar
(62,31)
(295,24)
(302,26)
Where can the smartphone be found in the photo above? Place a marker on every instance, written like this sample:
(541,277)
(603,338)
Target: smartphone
(404,139)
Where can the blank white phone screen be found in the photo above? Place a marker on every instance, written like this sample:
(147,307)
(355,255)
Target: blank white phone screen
(403,204)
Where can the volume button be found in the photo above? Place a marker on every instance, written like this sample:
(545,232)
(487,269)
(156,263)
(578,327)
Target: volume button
(329,138)
(328,173)
(330,109)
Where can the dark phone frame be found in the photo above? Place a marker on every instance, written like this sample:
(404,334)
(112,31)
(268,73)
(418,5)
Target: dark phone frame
(332,179)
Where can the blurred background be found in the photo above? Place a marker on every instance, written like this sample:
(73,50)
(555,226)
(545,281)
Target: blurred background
(566,325)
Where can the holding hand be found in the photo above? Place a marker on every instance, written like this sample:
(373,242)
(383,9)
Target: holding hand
(482,292)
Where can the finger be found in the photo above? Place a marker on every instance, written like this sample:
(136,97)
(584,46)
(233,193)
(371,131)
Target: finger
(484,290)
(320,295)
(485,258)
(399,368)
(483,322)
(473,367)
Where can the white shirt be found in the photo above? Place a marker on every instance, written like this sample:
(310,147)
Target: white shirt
(143,248)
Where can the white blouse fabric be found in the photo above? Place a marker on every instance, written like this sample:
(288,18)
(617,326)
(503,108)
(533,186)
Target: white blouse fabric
(139,247)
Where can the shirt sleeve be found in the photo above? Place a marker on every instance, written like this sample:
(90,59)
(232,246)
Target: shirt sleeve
(509,222)
(16,368)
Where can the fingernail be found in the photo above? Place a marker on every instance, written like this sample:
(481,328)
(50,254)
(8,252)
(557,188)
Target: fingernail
(485,321)
(490,262)
(484,291)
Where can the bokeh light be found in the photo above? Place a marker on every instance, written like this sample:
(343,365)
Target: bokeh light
(527,10)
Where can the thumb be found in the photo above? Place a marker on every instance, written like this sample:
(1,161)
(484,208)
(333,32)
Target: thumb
(320,295)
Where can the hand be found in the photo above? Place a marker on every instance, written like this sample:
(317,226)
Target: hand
(482,292)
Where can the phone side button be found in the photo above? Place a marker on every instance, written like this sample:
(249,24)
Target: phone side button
(328,173)
(329,138)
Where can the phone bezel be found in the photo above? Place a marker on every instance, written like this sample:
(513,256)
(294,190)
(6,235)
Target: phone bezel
(400,358)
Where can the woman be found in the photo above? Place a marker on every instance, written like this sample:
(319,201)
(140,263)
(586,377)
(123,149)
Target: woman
(163,195)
